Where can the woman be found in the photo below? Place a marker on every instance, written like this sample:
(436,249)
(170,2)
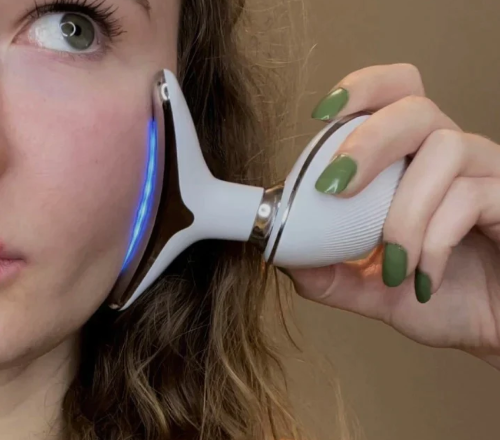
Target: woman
(189,360)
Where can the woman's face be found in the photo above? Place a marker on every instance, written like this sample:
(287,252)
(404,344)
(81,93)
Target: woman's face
(75,101)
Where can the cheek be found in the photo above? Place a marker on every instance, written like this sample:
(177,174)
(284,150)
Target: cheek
(74,142)
(77,153)
(75,158)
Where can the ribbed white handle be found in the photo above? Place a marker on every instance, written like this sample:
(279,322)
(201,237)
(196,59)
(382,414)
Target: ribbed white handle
(314,229)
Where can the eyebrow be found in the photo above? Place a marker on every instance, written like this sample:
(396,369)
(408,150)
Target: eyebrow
(144,4)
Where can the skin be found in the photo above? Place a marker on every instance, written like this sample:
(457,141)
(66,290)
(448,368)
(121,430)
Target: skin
(70,126)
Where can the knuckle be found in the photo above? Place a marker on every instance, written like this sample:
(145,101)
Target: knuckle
(436,243)
(445,135)
(464,191)
(399,228)
(441,234)
(419,103)
(410,68)
(476,138)
(434,246)
(450,142)
(415,76)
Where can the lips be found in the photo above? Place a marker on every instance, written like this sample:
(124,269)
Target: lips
(5,263)
(11,263)
(9,254)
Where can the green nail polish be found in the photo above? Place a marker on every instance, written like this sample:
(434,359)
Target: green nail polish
(336,176)
(331,105)
(395,265)
(423,287)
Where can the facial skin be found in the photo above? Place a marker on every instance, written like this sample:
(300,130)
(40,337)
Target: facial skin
(73,144)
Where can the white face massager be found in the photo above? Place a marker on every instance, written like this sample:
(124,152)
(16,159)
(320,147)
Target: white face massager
(293,224)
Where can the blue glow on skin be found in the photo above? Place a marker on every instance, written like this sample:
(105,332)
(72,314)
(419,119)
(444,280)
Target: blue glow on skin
(147,194)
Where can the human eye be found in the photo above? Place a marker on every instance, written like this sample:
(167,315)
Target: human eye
(71,27)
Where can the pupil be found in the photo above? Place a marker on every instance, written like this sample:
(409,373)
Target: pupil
(69,29)
(78,31)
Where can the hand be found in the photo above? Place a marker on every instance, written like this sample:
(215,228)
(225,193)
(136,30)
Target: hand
(442,234)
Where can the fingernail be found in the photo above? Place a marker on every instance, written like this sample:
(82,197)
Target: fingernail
(394,265)
(423,287)
(337,175)
(331,105)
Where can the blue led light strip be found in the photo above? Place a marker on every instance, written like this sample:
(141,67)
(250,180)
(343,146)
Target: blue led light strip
(144,209)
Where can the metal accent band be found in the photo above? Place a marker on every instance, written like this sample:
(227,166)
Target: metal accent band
(266,215)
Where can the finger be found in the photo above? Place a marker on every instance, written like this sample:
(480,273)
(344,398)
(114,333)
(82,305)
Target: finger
(389,135)
(468,202)
(371,88)
(445,155)
(354,287)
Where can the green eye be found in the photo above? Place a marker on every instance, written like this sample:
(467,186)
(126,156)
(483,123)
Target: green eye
(77,31)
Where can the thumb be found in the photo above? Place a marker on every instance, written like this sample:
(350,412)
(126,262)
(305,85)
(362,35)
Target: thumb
(354,286)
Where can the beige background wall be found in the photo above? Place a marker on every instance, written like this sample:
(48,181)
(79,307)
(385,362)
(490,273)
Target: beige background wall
(399,390)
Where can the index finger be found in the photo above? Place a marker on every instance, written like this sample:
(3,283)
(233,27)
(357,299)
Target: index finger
(370,89)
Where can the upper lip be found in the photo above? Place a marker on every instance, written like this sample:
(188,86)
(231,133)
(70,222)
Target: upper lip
(9,254)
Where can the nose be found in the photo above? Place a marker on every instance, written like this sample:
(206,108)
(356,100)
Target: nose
(3,144)
(4,141)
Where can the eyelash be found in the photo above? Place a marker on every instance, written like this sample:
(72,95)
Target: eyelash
(96,10)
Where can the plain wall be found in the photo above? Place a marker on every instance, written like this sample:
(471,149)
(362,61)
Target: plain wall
(400,390)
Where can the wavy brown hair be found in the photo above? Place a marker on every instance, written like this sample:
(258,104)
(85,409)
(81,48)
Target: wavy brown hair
(191,360)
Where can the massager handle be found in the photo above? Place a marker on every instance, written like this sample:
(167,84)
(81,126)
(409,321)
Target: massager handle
(312,229)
